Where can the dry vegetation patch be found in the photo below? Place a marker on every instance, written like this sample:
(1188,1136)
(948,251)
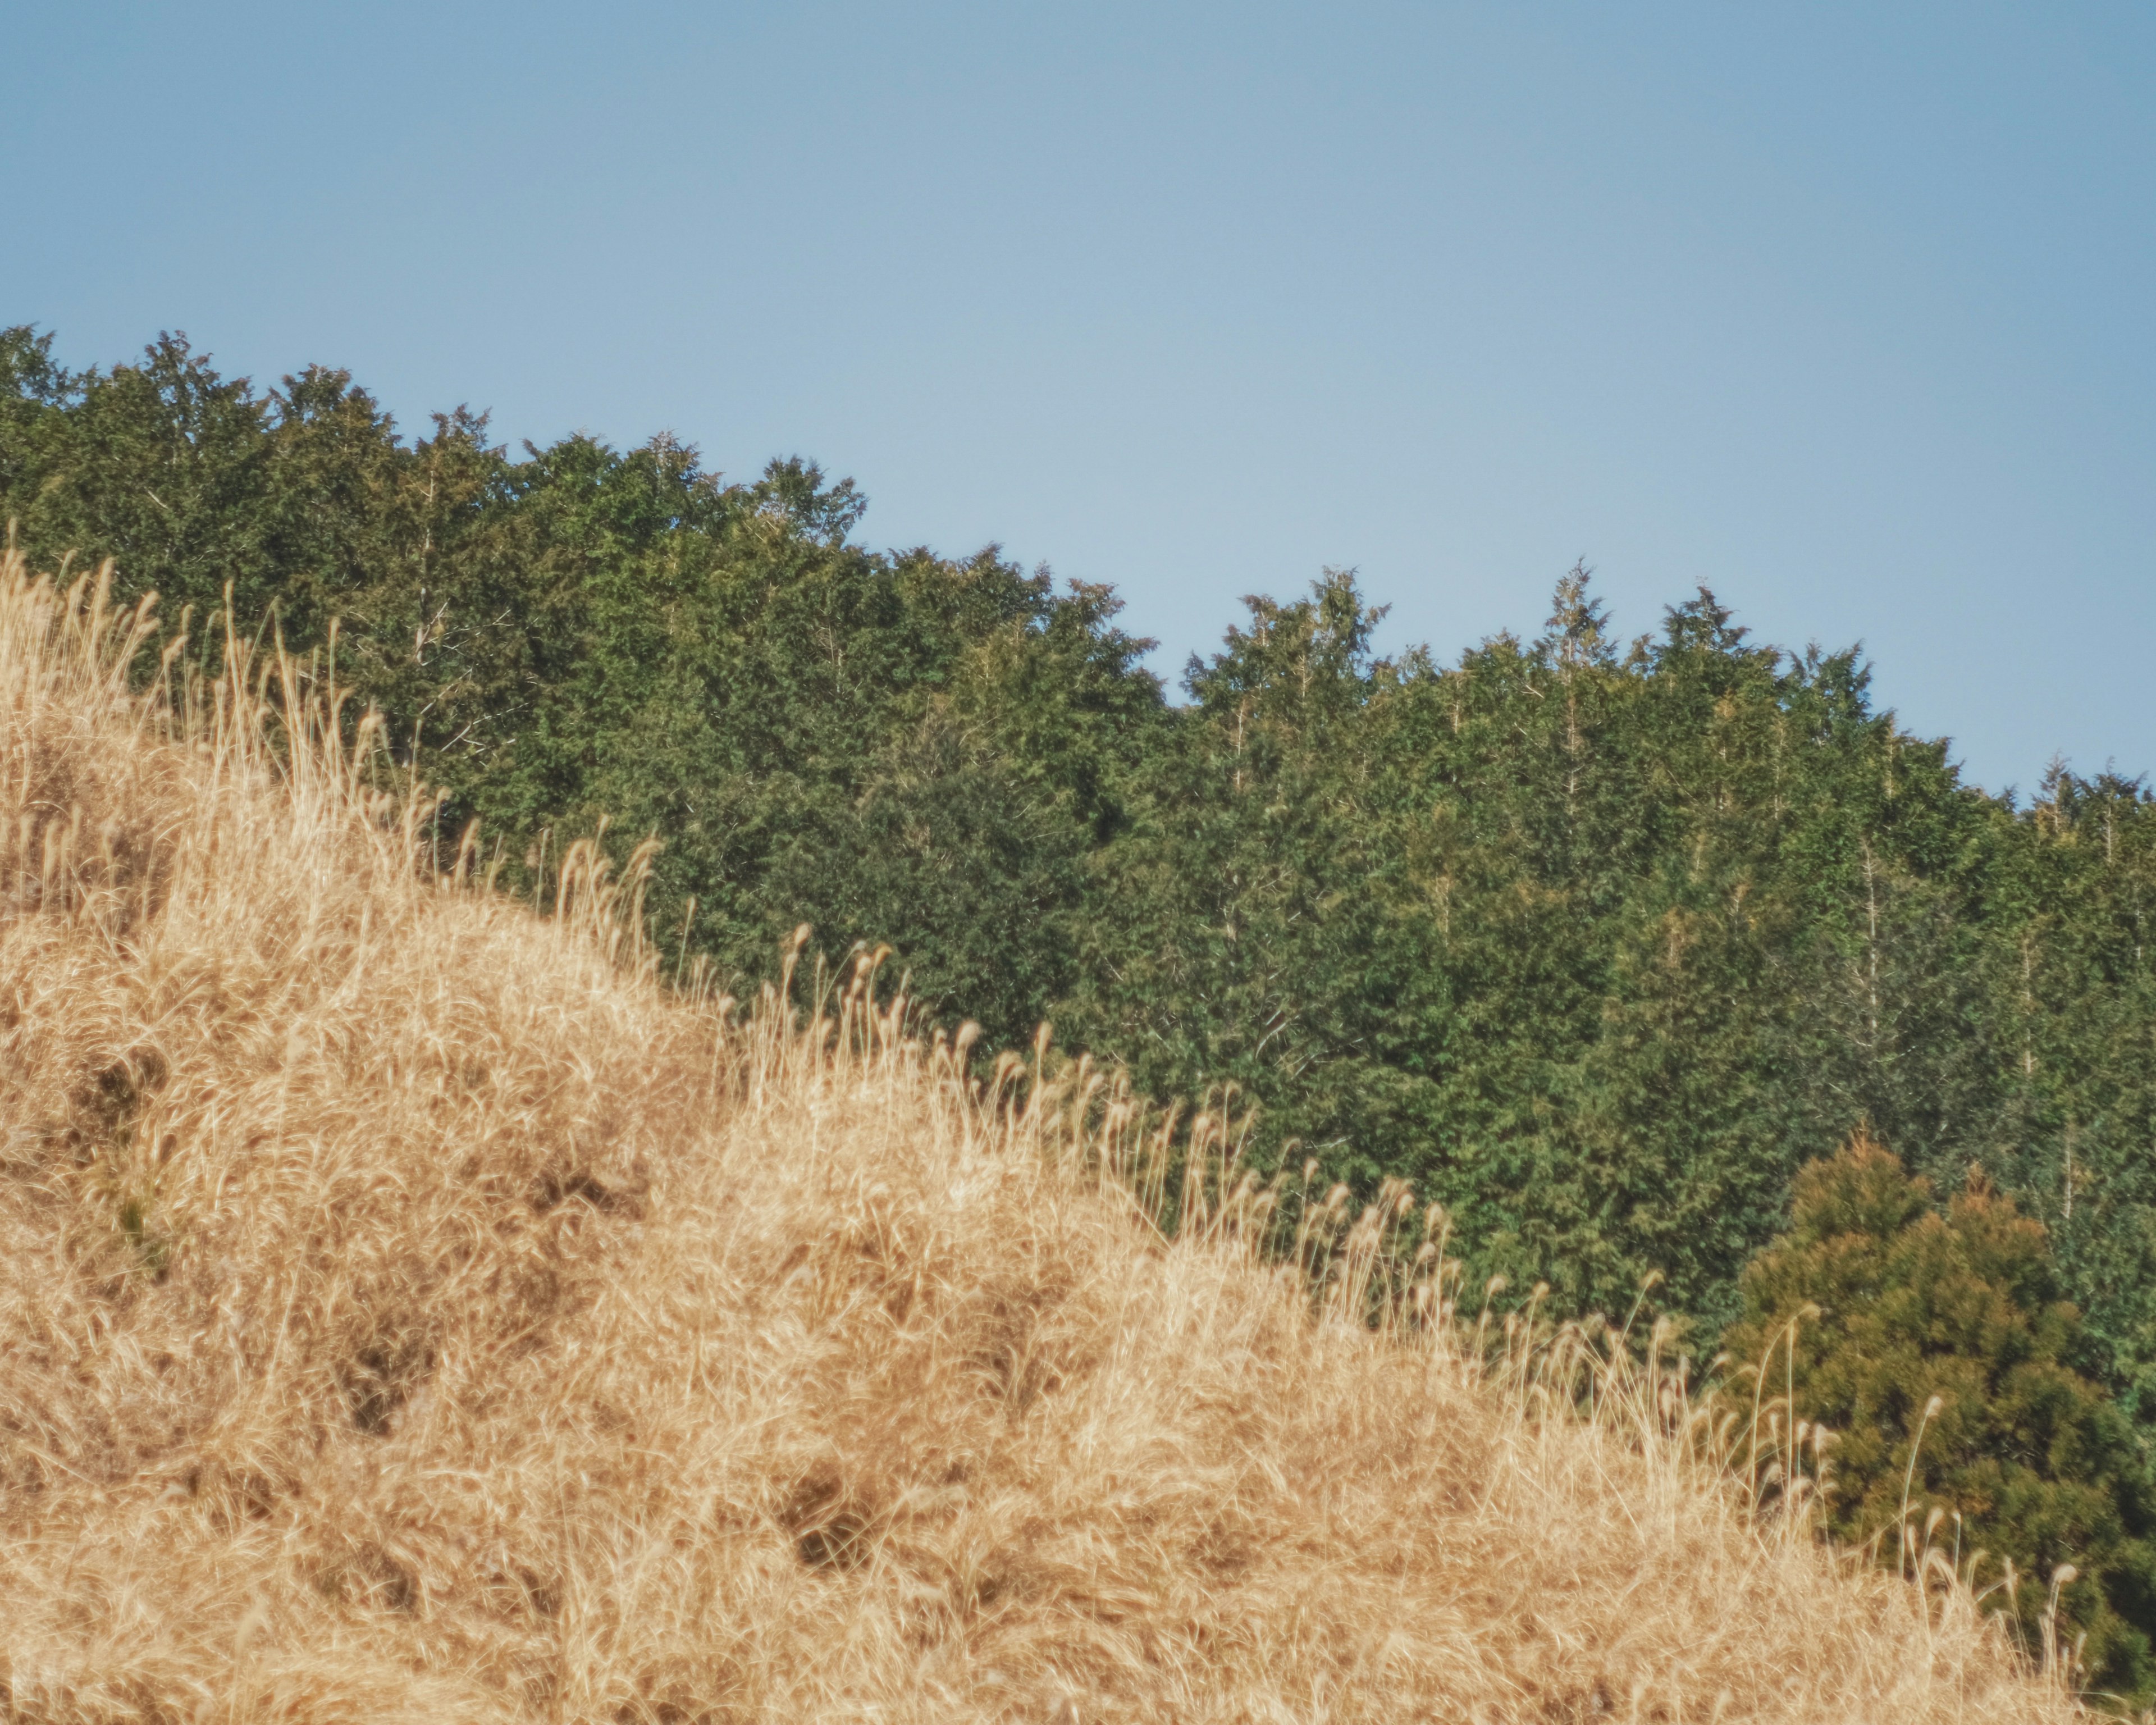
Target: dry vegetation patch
(410,1309)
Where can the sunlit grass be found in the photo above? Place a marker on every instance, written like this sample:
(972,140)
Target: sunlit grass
(411,1307)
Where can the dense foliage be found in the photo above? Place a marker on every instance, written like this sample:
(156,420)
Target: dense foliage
(1597,942)
(1935,1348)
(895,747)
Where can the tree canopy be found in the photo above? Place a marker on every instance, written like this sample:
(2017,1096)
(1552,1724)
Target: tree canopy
(1597,942)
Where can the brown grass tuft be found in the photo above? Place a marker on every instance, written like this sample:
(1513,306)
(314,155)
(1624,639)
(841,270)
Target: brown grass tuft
(411,1311)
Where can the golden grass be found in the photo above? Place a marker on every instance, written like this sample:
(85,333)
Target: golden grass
(411,1310)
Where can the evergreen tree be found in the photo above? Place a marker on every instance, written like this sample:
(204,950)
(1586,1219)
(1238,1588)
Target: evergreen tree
(902,748)
(1936,1350)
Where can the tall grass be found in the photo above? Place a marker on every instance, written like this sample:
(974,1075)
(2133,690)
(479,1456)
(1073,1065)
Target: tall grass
(411,1308)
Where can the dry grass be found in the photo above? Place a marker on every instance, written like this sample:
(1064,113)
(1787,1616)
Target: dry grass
(411,1311)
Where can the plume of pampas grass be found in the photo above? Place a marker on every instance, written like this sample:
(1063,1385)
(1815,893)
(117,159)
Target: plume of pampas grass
(412,1309)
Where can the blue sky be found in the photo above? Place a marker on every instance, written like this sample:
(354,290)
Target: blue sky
(1849,312)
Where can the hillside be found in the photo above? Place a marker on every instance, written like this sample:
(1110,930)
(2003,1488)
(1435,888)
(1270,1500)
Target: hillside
(410,1309)
(1597,939)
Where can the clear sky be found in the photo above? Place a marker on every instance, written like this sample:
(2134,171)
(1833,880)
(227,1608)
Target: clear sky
(1849,311)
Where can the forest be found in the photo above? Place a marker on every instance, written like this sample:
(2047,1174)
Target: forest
(1630,953)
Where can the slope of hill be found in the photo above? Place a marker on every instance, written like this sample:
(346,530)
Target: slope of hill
(411,1309)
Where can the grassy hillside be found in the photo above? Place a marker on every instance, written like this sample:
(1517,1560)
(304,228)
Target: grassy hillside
(410,1309)
(1598,940)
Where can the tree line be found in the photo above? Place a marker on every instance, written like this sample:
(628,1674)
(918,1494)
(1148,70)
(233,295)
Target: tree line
(1598,942)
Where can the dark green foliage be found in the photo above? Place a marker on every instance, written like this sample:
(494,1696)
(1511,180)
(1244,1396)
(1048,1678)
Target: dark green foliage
(1597,942)
(1937,1349)
(1595,949)
(896,747)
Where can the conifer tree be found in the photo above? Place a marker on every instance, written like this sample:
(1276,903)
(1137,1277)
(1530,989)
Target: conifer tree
(1935,1348)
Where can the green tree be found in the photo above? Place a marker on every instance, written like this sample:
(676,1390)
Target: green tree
(1936,1350)
(1257,923)
(900,748)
